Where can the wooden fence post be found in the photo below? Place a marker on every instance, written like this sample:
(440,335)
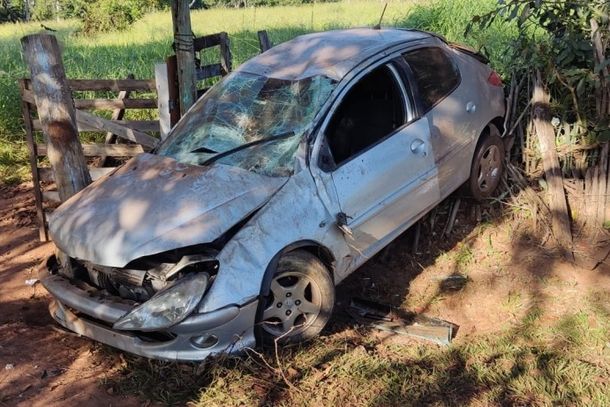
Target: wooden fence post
(162,84)
(56,111)
(172,90)
(226,60)
(560,218)
(29,136)
(185,53)
(263,41)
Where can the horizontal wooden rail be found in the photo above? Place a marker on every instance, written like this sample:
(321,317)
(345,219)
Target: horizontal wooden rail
(28,96)
(141,125)
(114,85)
(208,71)
(109,150)
(208,41)
(101,124)
(115,103)
(46,175)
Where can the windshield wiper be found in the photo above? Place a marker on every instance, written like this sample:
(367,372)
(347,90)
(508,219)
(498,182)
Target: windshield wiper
(247,145)
(204,150)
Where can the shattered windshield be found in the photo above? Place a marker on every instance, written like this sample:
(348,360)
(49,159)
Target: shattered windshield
(263,119)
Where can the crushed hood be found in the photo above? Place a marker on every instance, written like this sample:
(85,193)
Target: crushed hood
(153,204)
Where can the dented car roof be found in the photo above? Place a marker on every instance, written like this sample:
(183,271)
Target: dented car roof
(331,53)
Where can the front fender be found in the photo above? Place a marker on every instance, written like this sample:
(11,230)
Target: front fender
(294,214)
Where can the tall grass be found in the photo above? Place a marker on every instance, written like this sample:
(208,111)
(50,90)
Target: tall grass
(117,54)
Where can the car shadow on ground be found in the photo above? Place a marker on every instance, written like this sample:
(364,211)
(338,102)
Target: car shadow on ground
(386,277)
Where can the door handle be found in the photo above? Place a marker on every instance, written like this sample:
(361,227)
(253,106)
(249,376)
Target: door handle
(418,146)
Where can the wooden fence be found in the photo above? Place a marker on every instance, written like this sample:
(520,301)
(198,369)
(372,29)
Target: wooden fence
(202,72)
(123,138)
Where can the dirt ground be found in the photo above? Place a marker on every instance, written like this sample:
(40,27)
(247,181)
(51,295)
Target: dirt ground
(40,365)
(508,275)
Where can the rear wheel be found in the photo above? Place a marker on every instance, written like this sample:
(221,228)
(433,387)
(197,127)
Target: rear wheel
(487,166)
(300,300)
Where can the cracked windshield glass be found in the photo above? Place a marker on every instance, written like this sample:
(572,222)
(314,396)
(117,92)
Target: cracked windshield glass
(245,108)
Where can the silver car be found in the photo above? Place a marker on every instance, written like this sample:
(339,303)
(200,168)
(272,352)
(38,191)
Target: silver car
(278,183)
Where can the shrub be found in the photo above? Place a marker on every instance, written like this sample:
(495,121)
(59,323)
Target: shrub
(111,15)
(554,38)
(49,9)
(257,3)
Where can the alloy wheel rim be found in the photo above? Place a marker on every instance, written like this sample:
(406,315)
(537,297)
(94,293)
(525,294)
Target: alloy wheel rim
(294,303)
(489,169)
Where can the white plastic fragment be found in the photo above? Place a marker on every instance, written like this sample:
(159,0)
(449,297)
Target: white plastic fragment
(9,366)
(31,282)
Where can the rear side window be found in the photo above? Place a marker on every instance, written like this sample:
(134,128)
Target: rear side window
(435,73)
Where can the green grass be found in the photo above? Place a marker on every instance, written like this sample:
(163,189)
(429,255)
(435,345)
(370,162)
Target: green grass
(117,54)
(565,364)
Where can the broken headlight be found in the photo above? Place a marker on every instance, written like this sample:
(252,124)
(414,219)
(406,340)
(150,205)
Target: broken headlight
(167,307)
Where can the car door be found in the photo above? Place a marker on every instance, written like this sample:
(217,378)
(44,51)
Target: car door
(384,174)
(449,108)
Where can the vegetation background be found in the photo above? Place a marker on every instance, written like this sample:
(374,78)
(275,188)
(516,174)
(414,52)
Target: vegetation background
(148,40)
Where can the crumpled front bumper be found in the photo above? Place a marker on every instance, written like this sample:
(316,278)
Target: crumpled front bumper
(90,313)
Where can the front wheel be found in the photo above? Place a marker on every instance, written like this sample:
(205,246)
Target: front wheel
(300,300)
(487,167)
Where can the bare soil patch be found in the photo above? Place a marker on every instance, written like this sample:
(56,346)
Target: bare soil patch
(40,365)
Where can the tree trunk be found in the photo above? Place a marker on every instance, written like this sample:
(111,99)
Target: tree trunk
(560,218)
(56,112)
(185,53)
(602,96)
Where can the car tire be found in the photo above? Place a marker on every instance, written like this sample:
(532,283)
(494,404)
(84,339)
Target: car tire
(299,300)
(487,166)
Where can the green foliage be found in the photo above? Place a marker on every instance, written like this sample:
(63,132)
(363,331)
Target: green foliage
(9,12)
(259,3)
(43,10)
(450,17)
(554,38)
(49,9)
(111,15)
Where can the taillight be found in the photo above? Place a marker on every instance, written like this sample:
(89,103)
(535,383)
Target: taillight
(494,79)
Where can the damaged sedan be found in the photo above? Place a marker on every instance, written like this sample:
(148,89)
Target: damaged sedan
(279,182)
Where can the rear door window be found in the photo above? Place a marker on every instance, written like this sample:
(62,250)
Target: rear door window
(435,73)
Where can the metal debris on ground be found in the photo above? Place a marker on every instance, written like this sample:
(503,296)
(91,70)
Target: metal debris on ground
(386,318)
(454,282)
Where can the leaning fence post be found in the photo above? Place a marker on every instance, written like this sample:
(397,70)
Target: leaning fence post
(56,112)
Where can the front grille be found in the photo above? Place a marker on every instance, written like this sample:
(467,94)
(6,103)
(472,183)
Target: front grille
(155,337)
(126,276)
